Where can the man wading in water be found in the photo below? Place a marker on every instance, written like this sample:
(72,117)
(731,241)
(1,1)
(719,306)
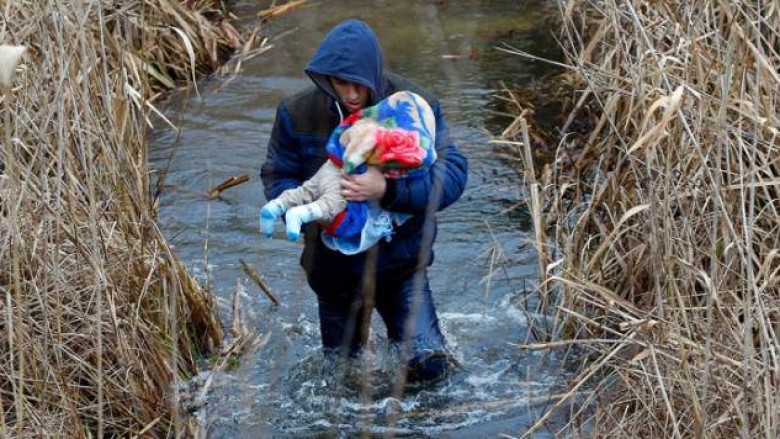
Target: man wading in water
(348,74)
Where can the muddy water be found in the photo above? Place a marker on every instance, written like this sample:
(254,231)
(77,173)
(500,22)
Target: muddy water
(484,271)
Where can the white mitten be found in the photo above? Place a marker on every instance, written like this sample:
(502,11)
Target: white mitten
(298,216)
(268,214)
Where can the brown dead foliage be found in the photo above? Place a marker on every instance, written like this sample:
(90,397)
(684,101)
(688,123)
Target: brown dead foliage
(665,223)
(98,318)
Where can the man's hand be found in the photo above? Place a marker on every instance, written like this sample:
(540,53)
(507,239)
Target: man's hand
(370,185)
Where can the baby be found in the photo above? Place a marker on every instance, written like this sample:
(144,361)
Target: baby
(397,134)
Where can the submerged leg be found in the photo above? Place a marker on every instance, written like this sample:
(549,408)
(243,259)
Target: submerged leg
(407,308)
(342,310)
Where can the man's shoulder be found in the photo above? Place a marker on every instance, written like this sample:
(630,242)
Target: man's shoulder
(397,82)
(305,100)
(307,110)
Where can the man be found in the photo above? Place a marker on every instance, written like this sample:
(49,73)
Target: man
(348,74)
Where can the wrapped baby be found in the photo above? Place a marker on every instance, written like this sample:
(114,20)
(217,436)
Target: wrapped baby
(398,135)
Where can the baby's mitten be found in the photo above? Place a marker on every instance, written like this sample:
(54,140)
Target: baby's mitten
(268,214)
(299,215)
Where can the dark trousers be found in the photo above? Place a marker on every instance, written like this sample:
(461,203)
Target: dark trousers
(404,301)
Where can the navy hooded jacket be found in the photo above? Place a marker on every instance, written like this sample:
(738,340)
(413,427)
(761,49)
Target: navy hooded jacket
(296,150)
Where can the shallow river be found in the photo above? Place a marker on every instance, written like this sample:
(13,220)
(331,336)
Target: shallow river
(484,272)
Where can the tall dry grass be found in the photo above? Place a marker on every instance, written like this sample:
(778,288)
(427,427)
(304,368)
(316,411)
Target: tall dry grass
(98,317)
(663,231)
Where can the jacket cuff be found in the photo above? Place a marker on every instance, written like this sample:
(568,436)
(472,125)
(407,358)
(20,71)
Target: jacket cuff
(390,193)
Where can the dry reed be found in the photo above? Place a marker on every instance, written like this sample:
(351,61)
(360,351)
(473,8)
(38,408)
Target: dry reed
(664,216)
(98,318)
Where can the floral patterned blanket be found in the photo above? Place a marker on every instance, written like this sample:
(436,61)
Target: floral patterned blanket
(404,147)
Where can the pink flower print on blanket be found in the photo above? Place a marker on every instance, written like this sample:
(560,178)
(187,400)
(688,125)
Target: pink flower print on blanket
(402,131)
(397,150)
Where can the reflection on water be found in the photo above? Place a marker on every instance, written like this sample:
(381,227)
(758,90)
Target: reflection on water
(484,262)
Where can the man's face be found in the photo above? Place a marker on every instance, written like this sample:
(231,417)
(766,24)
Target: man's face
(353,96)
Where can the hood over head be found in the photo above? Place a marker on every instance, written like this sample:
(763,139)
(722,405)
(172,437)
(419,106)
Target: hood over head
(351,52)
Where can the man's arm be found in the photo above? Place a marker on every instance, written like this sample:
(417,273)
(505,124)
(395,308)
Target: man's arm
(283,168)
